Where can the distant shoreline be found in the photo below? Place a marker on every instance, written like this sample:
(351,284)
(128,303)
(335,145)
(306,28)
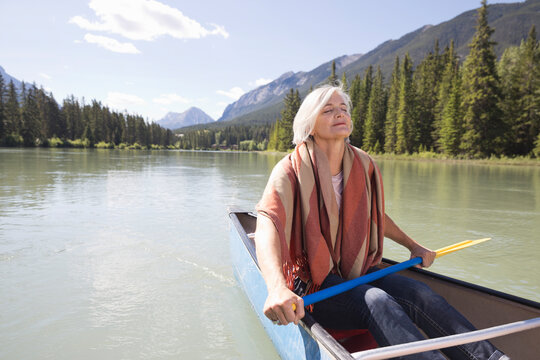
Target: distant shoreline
(422,157)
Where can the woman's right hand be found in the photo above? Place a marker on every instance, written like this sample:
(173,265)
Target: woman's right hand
(279,306)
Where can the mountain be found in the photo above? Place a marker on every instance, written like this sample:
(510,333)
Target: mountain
(511,22)
(192,116)
(7,78)
(274,91)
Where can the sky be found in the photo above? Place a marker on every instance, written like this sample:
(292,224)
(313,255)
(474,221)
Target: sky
(150,57)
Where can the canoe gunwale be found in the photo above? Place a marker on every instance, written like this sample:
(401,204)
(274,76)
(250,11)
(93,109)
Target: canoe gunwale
(461,283)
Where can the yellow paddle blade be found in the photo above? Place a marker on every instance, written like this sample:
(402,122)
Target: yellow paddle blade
(459,246)
(452,246)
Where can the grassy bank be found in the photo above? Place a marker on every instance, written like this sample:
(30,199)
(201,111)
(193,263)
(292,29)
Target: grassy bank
(432,156)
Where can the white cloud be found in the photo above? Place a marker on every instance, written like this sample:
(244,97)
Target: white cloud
(144,20)
(111,44)
(121,101)
(167,99)
(45,76)
(261,82)
(233,93)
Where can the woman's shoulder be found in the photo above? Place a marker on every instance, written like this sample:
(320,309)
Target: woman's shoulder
(361,152)
(282,168)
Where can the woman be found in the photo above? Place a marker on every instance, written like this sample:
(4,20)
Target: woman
(322,221)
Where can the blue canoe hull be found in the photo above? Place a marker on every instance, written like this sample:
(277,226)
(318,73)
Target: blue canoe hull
(291,341)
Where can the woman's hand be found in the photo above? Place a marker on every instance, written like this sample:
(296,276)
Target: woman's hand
(427,255)
(279,306)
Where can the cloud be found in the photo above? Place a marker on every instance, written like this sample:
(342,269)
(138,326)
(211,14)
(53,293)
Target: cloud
(261,82)
(122,101)
(167,99)
(111,44)
(45,76)
(234,93)
(144,20)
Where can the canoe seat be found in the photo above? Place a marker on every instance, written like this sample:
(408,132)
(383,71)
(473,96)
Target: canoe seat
(354,340)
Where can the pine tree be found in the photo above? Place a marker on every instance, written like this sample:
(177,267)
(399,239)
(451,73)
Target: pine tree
(2,121)
(390,127)
(406,128)
(285,133)
(31,122)
(507,69)
(12,113)
(360,107)
(482,117)
(527,121)
(452,120)
(71,114)
(450,66)
(427,78)
(333,77)
(374,127)
(344,83)
(273,141)
(536,150)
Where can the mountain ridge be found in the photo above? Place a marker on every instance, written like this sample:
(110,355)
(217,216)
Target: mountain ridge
(7,78)
(273,92)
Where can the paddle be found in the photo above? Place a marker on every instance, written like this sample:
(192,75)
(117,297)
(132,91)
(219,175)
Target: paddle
(348,285)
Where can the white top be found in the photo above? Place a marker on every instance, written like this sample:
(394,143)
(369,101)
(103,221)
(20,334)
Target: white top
(337,182)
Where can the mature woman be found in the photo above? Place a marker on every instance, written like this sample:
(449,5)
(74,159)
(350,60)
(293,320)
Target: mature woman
(322,221)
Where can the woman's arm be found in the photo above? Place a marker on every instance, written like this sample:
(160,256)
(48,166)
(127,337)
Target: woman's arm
(392,231)
(280,300)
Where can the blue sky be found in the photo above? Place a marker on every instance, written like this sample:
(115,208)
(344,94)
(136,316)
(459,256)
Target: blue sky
(150,57)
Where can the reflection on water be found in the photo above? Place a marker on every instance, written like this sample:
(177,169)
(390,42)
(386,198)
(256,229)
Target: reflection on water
(443,203)
(124,254)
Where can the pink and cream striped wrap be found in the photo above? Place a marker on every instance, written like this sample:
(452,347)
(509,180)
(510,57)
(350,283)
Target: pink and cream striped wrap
(316,237)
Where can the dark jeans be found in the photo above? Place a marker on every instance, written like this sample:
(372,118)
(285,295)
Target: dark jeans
(390,307)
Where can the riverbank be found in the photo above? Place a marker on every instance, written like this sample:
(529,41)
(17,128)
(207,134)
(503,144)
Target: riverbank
(431,156)
(493,160)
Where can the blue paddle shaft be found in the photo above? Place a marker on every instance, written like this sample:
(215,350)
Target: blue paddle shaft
(348,285)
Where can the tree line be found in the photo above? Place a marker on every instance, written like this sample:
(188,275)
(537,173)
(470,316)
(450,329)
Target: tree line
(32,117)
(475,108)
(237,137)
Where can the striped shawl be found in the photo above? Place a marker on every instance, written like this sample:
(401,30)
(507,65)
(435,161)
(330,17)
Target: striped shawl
(316,237)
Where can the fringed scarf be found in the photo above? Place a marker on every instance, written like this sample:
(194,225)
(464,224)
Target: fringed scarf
(316,237)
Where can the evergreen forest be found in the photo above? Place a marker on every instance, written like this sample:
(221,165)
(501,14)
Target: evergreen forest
(32,117)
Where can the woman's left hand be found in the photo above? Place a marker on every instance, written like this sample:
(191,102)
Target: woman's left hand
(427,255)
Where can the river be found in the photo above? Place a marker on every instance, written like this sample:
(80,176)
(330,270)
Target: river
(116,254)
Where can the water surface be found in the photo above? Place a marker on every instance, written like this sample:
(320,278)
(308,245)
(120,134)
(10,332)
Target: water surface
(124,254)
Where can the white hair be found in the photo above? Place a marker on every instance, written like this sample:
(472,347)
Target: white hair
(306,117)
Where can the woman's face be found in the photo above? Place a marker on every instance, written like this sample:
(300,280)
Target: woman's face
(334,121)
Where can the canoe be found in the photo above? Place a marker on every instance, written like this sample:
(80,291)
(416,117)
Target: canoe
(485,308)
